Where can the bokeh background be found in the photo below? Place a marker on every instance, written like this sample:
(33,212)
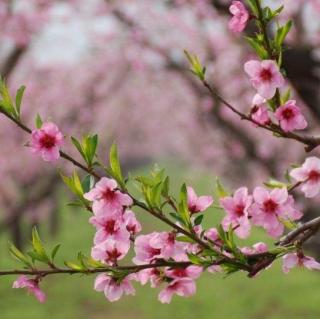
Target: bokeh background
(117,68)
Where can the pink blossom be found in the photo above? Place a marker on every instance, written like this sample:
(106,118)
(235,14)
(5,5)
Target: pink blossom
(110,251)
(150,274)
(197,204)
(270,206)
(112,288)
(293,260)
(259,112)
(257,248)
(47,141)
(106,198)
(32,287)
(182,287)
(309,175)
(132,224)
(240,16)
(155,245)
(191,272)
(290,117)
(265,77)
(109,226)
(212,234)
(236,208)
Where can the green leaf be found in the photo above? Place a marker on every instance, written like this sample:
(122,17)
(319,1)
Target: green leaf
(196,67)
(253,6)
(78,146)
(74,266)
(286,96)
(288,223)
(19,97)
(165,187)
(282,33)
(87,183)
(185,239)
(198,220)
(195,259)
(6,101)
(91,143)
(38,247)
(115,166)
(54,251)
(183,210)
(81,259)
(38,121)
(74,184)
(220,190)
(15,252)
(258,47)
(273,183)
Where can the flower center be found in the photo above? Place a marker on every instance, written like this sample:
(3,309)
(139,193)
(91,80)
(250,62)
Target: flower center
(154,251)
(171,238)
(239,210)
(180,272)
(270,206)
(287,114)
(131,228)
(314,176)
(108,195)
(193,209)
(109,227)
(113,255)
(266,75)
(47,141)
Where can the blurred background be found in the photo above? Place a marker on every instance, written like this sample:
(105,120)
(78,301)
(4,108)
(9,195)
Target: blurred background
(117,68)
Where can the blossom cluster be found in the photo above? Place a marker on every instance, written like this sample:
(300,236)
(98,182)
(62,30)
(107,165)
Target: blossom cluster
(264,208)
(117,226)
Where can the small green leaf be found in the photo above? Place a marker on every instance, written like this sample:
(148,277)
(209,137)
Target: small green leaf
(6,101)
(81,259)
(195,259)
(258,47)
(282,33)
(286,96)
(78,146)
(165,187)
(196,67)
(38,247)
(253,6)
(91,143)
(184,239)
(198,220)
(38,121)
(115,166)
(183,207)
(19,97)
(54,251)
(220,190)
(273,183)
(87,183)
(73,266)
(15,252)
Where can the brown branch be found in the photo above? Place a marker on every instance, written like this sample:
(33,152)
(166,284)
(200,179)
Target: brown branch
(133,268)
(310,142)
(301,234)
